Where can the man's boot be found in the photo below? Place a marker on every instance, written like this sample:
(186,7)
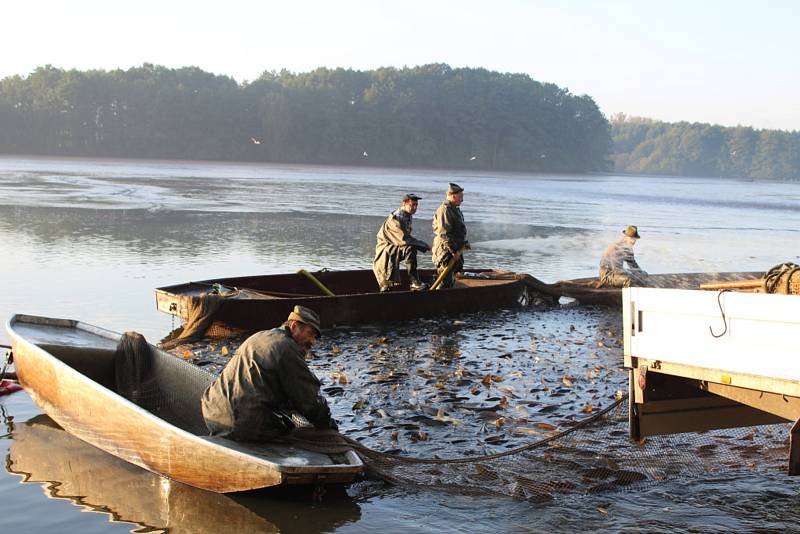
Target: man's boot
(417,284)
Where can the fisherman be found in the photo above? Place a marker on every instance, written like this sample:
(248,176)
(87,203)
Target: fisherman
(450,235)
(612,270)
(265,381)
(395,244)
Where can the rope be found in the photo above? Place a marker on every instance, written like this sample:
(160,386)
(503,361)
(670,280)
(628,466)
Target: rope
(778,279)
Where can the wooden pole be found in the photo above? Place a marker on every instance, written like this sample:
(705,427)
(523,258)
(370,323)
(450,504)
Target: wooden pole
(439,279)
(734,284)
(317,283)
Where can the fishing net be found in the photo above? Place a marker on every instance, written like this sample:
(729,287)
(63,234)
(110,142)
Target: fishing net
(161,384)
(568,457)
(200,318)
(596,455)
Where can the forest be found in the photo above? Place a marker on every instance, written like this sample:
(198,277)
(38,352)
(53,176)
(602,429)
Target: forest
(427,116)
(645,146)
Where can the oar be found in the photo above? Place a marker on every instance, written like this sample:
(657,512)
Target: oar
(438,282)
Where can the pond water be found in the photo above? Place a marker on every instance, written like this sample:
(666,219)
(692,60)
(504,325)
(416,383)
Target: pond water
(90,239)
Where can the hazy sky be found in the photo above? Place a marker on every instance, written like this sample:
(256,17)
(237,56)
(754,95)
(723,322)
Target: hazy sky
(720,61)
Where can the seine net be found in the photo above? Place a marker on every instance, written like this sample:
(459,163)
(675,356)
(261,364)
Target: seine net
(160,383)
(596,455)
(593,455)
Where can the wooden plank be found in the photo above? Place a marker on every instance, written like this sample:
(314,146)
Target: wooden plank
(734,284)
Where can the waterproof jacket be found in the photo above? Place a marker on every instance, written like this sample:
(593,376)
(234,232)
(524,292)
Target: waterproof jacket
(393,236)
(616,256)
(266,378)
(449,232)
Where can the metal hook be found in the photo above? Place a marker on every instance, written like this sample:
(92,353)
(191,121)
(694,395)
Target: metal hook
(721,311)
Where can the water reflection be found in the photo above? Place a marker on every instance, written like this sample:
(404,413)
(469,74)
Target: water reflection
(68,468)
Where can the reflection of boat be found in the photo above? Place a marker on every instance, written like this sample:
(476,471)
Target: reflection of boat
(71,370)
(70,469)
(587,290)
(257,302)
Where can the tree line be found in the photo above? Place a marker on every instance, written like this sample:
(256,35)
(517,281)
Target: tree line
(694,149)
(428,116)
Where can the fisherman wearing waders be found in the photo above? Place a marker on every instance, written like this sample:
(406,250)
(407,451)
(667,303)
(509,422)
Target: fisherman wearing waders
(450,236)
(612,264)
(265,381)
(395,244)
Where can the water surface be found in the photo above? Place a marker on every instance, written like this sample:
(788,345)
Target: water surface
(90,239)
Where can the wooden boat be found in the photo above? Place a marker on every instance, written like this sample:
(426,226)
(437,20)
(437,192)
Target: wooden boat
(68,368)
(257,302)
(589,291)
(70,469)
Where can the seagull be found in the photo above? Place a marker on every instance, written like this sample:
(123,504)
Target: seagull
(255,141)
(365,155)
(473,158)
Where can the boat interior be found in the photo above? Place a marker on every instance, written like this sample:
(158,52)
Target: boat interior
(339,282)
(154,380)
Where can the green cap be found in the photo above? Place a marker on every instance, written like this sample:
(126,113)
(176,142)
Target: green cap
(454,189)
(631,231)
(306,316)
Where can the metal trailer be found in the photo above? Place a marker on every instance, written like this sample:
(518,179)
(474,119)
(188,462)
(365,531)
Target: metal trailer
(702,360)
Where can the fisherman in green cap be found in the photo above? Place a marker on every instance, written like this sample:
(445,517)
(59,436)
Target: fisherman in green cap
(266,380)
(616,255)
(450,235)
(396,244)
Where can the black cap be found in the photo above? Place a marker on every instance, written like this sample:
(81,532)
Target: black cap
(411,196)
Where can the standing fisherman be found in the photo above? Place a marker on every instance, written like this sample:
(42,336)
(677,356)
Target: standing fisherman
(395,244)
(616,255)
(450,235)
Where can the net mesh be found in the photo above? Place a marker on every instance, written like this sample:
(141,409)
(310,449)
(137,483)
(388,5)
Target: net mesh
(160,383)
(594,456)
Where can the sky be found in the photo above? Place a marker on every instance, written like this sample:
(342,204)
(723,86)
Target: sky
(723,62)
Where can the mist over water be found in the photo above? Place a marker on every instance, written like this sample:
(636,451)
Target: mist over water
(90,239)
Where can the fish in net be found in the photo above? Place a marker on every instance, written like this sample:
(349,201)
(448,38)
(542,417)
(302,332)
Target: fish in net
(596,455)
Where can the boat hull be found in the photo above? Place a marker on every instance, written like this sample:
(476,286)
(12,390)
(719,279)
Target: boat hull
(586,290)
(356,300)
(78,397)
